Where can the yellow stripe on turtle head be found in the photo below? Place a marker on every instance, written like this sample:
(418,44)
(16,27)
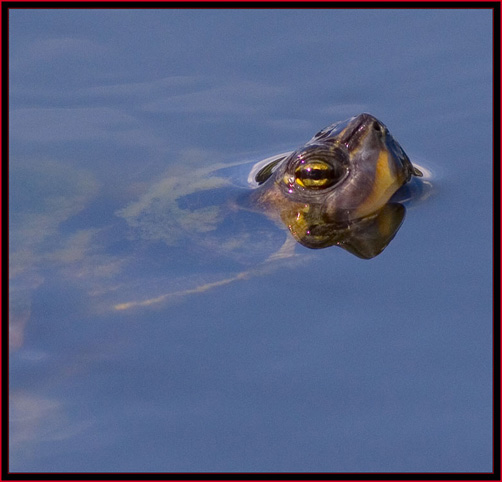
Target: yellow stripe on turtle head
(385,185)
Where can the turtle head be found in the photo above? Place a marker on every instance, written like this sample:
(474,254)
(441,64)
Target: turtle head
(336,189)
(351,168)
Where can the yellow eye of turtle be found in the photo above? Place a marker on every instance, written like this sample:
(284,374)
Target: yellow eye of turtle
(315,175)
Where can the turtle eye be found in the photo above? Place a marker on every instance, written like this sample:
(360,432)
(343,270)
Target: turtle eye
(317,175)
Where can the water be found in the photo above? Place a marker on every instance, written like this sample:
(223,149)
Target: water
(143,343)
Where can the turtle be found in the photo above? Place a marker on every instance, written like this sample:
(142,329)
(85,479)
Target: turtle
(344,187)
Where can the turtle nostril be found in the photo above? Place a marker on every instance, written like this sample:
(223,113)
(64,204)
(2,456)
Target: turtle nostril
(376,126)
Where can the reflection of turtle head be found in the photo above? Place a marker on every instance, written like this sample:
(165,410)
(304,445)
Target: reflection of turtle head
(347,172)
(365,238)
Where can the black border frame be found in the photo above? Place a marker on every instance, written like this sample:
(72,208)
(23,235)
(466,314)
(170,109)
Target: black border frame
(495,6)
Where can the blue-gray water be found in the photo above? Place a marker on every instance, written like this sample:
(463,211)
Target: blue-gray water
(143,339)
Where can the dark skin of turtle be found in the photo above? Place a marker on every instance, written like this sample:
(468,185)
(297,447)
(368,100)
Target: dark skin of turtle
(335,190)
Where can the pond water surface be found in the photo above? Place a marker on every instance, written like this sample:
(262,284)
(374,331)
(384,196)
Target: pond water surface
(148,334)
